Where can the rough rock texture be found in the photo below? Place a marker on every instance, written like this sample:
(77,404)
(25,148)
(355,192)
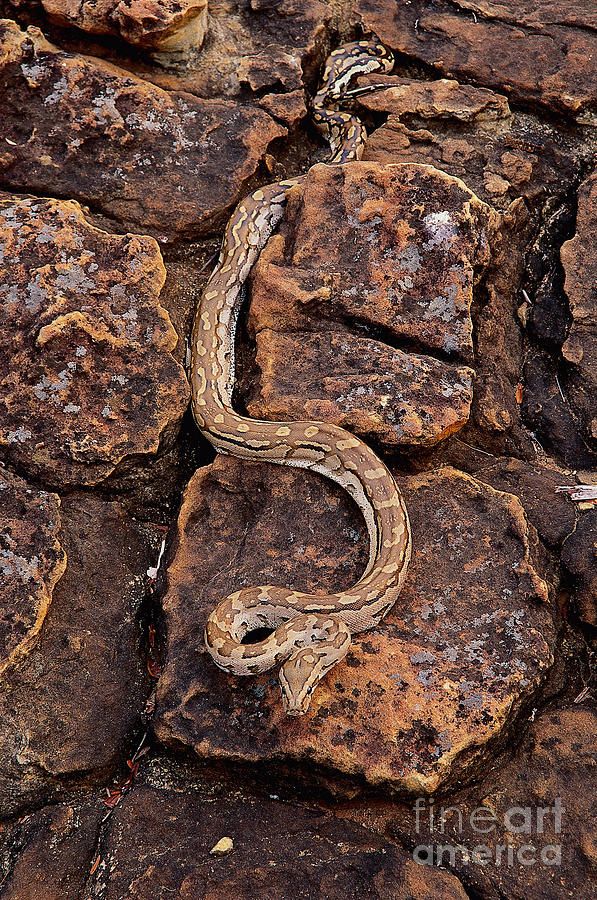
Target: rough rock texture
(158,844)
(454,692)
(551,513)
(418,698)
(256,48)
(472,133)
(164,25)
(163,162)
(76,697)
(579,555)
(544,53)
(580,347)
(47,854)
(87,376)
(544,803)
(394,252)
(31,562)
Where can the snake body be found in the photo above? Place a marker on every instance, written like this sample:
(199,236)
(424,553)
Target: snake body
(311,631)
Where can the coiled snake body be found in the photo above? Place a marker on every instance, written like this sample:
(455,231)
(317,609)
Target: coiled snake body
(312,630)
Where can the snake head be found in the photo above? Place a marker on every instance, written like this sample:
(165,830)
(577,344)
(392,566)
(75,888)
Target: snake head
(305,668)
(298,677)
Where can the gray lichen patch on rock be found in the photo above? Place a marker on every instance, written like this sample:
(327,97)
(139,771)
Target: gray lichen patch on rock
(85,346)
(31,562)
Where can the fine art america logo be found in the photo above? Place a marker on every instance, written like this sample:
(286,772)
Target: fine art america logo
(518,836)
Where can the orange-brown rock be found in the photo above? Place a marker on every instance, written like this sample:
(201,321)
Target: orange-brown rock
(387,252)
(163,25)
(417,699)
(579,378)
(364,385)
(77,695)
(535,485)
(543,53)
(472,133)
(161,162)
(87,377)
(31,562)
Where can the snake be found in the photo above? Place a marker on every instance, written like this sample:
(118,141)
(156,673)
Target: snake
(307,633)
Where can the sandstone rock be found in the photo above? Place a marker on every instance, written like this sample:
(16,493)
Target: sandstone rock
(280,851)
(386,251)
(163,25)
(545,54)
(472,133)
(78,694)
(579,555)
(161,162)
(417,700)
(31,562)
(539,823)
(87,377)
(580,347)
(256,48)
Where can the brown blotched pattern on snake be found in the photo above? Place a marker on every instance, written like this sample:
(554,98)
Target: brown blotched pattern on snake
(312,631)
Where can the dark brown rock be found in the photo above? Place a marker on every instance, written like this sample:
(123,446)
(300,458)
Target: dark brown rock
(163,25)
(544,54)
(158,845)
(388,251)
(538,820)
(551,513)
(417,699)
(48,854)
(161,162)
(579,555)
(87,376)
(77,696)
(31,562)
(580,347)
(548,412)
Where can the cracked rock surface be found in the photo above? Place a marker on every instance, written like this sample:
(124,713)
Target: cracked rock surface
(438,299)
(87,377)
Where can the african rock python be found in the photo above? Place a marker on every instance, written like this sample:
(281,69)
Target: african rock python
(312,631)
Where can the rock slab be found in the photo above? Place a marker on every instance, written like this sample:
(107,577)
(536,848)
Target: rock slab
(32,561)
(417,699)
(87,376)
(161,162)
(361,303)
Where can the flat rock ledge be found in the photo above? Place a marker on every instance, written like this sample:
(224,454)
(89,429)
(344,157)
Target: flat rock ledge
(417,700)
(361,303)
(160,162)
(31,562)
(87,376)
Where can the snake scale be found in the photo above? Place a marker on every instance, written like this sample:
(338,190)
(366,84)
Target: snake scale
(311,632)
